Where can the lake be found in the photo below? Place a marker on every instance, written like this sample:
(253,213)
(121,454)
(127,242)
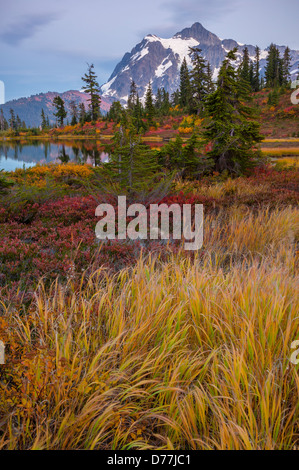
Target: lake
(20,154)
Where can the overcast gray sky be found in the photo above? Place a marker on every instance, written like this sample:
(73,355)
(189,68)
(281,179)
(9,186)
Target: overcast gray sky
(44,45)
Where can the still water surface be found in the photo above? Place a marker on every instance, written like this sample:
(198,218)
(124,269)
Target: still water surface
(19,155)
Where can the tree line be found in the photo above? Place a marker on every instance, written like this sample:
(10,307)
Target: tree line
(227,142)
(196,84)
(14,122)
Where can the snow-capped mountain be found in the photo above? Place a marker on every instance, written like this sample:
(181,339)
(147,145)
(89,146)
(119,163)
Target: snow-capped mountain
(159,60)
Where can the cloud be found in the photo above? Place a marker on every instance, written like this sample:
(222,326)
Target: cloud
(199,10)
(26,27)
(184,13)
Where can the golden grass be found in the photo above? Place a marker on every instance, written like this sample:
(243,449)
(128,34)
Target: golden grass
(281,151)
(291,139)
(184,354)
(217,190)
(286,162)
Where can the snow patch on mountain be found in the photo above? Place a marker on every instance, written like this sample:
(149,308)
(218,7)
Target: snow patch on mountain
(140,54)
(162,68)
(159,60)
(106,88)
(178,45)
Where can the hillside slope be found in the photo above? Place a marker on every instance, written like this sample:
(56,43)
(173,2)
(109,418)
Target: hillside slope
(29,109)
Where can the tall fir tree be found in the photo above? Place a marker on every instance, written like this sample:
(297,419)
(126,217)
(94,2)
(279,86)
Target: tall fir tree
(149,104)
(251,75)
(159,100)
(273,69)
(231,130)
(82,113)
(185,86)
(244,68)
(138,115)
(165,103)
(43,120)
(74,112)
(198,78)
(60,110)
(210,83)
(12,119)
(132,100)
(93,89)
(175,98)
(256,69)
(286,66)
(3,121)
(18,122)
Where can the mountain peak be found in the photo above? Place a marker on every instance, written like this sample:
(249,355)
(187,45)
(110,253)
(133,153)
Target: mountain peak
(159,60)
(196,28)
(201,34)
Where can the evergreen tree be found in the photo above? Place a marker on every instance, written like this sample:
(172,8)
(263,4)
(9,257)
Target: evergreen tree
(198,77)
(115,112)
(251,75)
(273,67)
(273,97)
(60,110)
(43,120)
(3,121)
(231,131)
(74,112)
(175,98)
(165,103)
(138,115)
(82,113)
(93,89)
(132,165)
(185,86)
(286,66)
(185,158)
(162,103)
(210,83)
(18,122)
(12,119)
(149,105)
(256,69)
(244,68)
(132,100)
(280,81)
(245,76)
(159,100)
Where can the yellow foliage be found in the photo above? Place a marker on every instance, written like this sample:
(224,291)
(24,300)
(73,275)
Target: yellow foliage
(39,173)
(185,130)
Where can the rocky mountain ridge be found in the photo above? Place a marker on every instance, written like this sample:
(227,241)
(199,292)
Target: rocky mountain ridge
(159,60)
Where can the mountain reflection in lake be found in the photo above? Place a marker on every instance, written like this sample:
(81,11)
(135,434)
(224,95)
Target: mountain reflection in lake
(16,154)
